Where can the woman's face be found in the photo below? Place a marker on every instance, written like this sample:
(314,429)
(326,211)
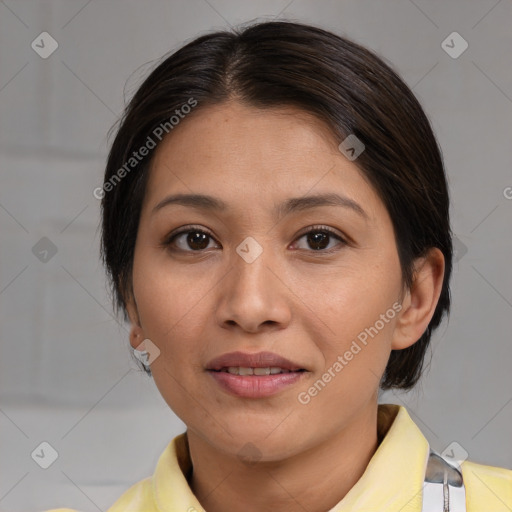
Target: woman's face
(257,282)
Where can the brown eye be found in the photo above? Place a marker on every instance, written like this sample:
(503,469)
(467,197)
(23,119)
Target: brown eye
(197,240)
(318,238)
(189,240)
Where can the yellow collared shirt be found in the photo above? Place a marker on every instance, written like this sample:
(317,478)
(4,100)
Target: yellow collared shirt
(392,482)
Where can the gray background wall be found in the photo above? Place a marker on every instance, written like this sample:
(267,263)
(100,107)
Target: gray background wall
(66,375)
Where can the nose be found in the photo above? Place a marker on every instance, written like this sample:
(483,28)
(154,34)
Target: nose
(254,296)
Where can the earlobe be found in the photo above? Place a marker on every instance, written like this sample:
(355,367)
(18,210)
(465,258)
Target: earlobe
(420,300)
(136,336)
(136,332)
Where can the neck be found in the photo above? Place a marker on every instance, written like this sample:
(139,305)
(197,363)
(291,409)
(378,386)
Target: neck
(314,480)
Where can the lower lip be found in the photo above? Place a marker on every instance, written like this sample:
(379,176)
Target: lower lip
(255,386)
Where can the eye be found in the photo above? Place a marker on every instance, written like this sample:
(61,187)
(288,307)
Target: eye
(318,238)
(196,239)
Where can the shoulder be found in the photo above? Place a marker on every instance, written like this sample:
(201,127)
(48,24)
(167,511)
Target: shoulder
(137,497)
(487,487)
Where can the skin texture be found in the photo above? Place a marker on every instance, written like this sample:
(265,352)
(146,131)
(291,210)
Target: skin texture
(304,304)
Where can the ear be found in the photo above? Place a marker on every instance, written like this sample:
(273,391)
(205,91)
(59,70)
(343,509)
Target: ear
(420,301)
(136,332)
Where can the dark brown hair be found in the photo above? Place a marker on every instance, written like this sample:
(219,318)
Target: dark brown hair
(353,91)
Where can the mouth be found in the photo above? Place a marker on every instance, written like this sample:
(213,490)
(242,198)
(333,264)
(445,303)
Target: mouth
(246,363)
(258,371)
(255,375)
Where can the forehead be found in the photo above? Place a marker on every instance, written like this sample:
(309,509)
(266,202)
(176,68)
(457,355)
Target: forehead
(223,130)
(233,148)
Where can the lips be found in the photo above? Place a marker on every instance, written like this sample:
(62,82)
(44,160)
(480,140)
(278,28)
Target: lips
(257,360)
(259,375)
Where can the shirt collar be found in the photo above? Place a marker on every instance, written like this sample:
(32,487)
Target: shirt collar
(392,481)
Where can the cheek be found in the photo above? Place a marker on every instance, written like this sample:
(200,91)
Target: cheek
(351,297)
(356,323)
(169,306)
(355,361)
(169,303)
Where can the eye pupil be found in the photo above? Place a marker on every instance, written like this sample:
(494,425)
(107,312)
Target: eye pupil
(317,239)
(201,239)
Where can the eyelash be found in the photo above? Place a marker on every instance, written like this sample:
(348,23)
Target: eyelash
(169,240)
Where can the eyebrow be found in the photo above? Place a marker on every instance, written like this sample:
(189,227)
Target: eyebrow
(205,202)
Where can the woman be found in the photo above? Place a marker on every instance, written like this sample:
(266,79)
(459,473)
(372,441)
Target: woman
(276,230)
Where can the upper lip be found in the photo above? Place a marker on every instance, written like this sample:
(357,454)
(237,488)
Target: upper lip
(256,360)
